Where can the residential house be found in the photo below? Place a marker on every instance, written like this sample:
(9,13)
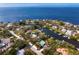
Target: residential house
(33,35)
(63,30)
(21,52)
(42,43)
(68,32)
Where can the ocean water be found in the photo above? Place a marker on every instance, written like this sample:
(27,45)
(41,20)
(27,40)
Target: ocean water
(12,14)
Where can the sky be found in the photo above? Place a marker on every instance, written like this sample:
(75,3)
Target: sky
(39,4)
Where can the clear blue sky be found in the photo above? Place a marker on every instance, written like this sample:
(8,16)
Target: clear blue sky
(39,5)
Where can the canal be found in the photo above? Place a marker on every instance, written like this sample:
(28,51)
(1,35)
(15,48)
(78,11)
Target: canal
(59,37)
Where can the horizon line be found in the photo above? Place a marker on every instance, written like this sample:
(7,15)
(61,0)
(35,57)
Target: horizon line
(39,4)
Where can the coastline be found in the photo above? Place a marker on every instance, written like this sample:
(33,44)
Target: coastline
(7,21)
(58,35)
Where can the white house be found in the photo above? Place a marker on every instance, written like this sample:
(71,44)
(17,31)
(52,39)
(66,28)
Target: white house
(63,30)
(9,24)
(21,52)
(77,31)
(33,35)
(55,27)
(75,26)
(17,29)
(69,32)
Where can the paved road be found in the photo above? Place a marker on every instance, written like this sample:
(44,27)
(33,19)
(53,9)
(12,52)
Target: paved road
(18,37)
(55,35)
(33,47)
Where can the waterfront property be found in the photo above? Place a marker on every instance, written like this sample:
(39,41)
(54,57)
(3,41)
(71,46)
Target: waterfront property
(33,37)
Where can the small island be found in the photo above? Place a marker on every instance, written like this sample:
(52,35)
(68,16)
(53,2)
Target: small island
(39,37)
